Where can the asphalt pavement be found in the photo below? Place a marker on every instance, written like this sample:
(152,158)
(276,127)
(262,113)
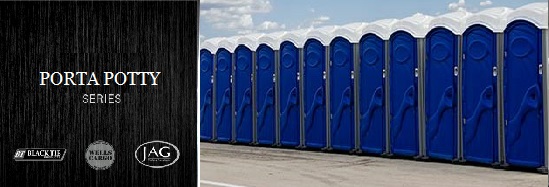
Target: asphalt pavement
(240,165)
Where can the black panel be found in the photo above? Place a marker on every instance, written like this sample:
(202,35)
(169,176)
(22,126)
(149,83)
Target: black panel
(97,37)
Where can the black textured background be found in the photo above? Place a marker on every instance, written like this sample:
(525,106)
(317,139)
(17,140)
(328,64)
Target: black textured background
(98,37)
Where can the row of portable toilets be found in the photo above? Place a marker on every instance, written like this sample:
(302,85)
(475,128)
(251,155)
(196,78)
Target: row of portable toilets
(459,87)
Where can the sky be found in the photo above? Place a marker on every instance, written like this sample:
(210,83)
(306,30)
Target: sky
(222,18)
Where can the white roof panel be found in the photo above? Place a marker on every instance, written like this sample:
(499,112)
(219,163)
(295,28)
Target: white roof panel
(381,28)
(417,25)
(324,34)
(211,44)
(271,39)
(534,12)
(349,31)
(228,43)
(250,40)
(454,21)
(492,18)
(297,37)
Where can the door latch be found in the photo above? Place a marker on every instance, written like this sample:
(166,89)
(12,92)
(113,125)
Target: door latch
(456,71)
(384,72)
(416,72)
(495,71)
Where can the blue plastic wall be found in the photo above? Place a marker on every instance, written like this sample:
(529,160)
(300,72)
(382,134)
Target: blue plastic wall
(289,94)
(223,95)
(206,91)
(524,132)
(371,92)
(265,95)
(479,95)
(314,94)
(441,94)
(403,95)
(341,94)
(243,94)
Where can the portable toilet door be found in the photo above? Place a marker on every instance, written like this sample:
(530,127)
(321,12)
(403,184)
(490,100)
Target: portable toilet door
(482,86)
(371,52)
(371,93)
(223,95)
(407,55)
(523,87)
(206,91)
(341,94)
(243,94)
(314,93)
(441,94)
(523,99)
(443,86)
(265,70)
(479,95)
(404,88)
(289,94)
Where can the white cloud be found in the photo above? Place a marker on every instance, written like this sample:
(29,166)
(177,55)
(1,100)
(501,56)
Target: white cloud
(270,25)
(319,21)
(486,3)
(234,15)
(459,6)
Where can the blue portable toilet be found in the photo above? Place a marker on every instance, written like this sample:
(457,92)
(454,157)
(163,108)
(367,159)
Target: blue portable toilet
(206,88)
(352,32)
(443,57)
(223,81)
(243,88)
(525,133)
(480,86)
(406,85)
(290,88)
(342,117)
(265,85)
(314,88)
(372,118)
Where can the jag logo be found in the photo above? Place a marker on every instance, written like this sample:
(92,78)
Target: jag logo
(39,154)
(157,154)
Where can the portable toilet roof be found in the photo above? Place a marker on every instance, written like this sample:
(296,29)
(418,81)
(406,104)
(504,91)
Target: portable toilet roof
(493,18)
(349,31)
(272,39)
(381,28)
(454,21)
(211,44)
(296,36)
(250,40)
(417,25)
(323,34)
(534,12)
(228,43)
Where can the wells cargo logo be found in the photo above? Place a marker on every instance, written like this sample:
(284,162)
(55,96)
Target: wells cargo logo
(157,154)
(100,155)
(39,154)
